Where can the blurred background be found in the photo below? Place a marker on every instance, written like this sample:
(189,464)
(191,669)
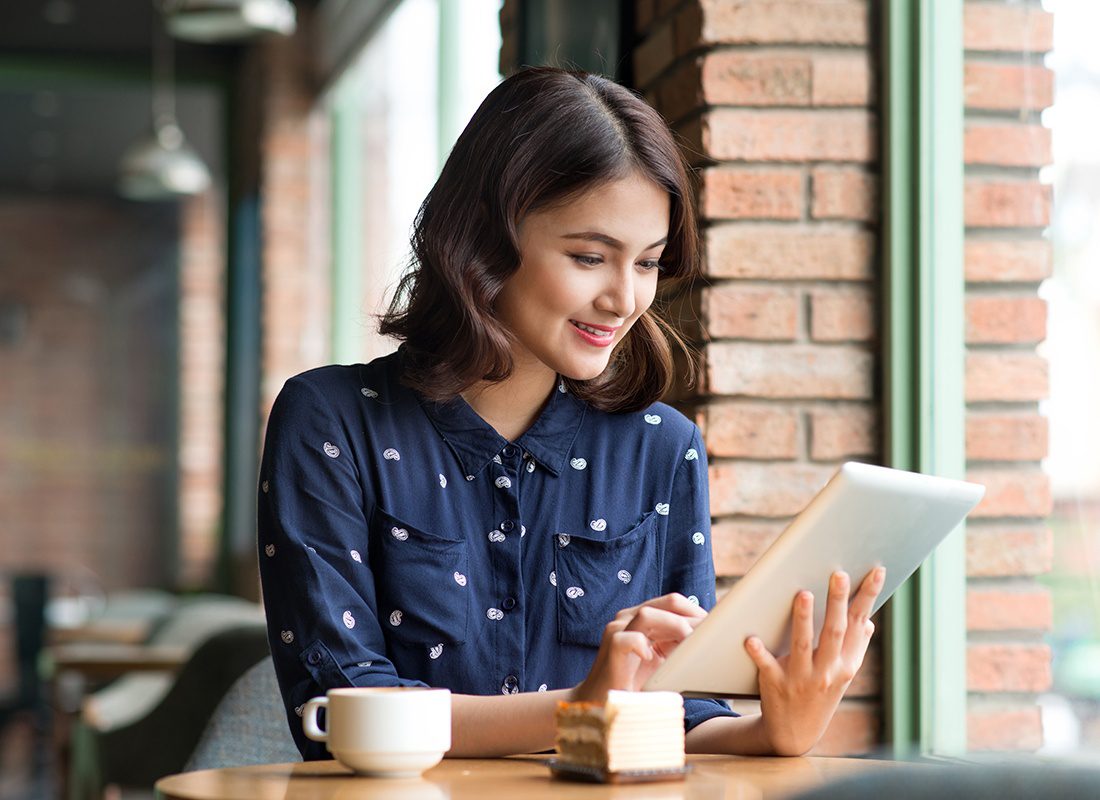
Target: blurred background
(200,199)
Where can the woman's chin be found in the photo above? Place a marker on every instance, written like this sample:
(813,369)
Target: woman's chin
(583,372)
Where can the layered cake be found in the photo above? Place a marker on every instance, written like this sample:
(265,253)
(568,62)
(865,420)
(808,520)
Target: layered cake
(632,731)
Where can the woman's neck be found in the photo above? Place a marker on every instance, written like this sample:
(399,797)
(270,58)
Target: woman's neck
(511,406)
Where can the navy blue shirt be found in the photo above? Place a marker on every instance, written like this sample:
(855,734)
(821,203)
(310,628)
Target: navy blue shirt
(404,542)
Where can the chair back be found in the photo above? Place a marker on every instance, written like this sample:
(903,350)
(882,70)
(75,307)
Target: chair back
(29,596)
(249,726)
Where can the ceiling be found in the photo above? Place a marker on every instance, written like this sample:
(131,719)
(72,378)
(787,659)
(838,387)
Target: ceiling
(75,92)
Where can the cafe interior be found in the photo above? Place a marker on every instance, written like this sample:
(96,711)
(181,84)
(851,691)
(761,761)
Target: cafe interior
(200,199)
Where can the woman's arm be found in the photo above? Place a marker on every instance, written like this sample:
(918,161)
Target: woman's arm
(501,725)
(632,646)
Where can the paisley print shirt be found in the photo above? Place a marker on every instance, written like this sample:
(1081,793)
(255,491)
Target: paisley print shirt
(404,542)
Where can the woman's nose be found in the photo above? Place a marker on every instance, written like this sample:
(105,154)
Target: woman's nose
(618,294)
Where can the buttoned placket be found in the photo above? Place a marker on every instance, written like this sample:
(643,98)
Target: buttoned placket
(510,638)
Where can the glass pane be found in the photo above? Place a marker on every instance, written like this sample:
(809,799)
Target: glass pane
(1071,711)
(405,129)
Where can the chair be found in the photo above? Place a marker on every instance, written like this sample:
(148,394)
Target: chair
(132,696)
(133,752)
(248,727)
(29,593)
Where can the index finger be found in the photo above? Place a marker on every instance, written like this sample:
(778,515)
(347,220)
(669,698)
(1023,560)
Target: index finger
(673,602)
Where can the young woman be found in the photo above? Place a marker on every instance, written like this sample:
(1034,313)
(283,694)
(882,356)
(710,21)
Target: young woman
(501,507)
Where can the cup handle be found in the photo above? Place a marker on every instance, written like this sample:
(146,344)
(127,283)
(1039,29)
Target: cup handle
(309,719)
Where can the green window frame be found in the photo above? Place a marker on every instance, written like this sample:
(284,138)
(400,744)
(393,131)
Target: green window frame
(925,694)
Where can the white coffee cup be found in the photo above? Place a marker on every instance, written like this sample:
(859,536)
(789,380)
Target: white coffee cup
(384,731)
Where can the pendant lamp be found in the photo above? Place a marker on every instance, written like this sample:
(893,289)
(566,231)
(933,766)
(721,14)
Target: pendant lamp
(162,166)
(210,21)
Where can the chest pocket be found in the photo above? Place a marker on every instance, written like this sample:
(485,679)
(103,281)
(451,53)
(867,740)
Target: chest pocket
(597,578)
(420,579)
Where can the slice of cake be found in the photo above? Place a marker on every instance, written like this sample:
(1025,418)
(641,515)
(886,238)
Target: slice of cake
(631,731)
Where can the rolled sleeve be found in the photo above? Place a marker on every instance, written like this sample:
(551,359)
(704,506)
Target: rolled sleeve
(318,589)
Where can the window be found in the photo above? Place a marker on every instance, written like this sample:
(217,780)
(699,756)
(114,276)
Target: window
(1071,710)
(396,111)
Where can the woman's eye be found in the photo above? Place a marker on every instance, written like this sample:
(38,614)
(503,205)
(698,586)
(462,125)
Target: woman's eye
(650,264)
(588,261)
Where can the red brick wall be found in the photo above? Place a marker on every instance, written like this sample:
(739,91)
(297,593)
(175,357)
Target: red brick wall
(1006,208)
(85,393)
(201,385)
(776,103)
(295,221)
(91,488)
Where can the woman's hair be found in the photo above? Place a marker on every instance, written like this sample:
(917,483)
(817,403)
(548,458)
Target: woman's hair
(542,137)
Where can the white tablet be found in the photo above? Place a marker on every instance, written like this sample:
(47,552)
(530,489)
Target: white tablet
(865,516)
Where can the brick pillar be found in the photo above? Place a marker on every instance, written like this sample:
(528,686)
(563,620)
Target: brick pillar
(202,383)
(776,103)
(1006,257)
(295,220)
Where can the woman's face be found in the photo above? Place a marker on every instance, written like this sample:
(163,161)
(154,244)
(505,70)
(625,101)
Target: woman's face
(588,270)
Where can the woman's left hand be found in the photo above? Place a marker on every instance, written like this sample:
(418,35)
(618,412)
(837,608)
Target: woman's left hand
(800,692)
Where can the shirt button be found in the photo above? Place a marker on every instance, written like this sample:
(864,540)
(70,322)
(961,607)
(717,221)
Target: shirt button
(509,451)
(314,658)
(507,526)
(508,604)
(511,682)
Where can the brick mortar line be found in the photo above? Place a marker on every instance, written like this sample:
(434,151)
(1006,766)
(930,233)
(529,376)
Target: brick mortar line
(984,171)
(999,522)
(995,289)
(1021,636)
(793,49)
(1027,348)
(1010,583)
(1029,228)
(1001,406)
(1033,234)
(1022,116)
(816,226)
(1009,58)
(793,283)
(809,165)
(1001,291)
(1008,465)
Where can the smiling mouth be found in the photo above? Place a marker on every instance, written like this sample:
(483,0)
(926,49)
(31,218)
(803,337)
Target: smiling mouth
(605,334)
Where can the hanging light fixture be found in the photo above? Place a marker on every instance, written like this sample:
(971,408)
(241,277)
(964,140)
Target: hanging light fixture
(162,166)
(228,20)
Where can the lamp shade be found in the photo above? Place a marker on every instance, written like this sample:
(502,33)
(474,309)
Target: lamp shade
(162,167)
(228,20)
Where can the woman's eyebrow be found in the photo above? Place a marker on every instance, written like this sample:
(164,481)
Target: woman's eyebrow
(610,241)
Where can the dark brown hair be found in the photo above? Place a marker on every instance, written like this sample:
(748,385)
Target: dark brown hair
(541,137)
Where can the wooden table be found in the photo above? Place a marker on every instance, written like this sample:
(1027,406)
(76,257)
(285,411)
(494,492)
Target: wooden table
(524,777)
(113,631)
(104,660)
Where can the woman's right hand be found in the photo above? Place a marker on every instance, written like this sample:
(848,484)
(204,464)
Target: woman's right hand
(636,643)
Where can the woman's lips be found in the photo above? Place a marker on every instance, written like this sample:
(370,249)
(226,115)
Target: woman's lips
(595,335)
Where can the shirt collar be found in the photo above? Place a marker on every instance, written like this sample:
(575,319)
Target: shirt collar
(475,442)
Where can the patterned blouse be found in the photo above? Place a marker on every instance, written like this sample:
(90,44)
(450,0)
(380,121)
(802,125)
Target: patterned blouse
(404,542)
